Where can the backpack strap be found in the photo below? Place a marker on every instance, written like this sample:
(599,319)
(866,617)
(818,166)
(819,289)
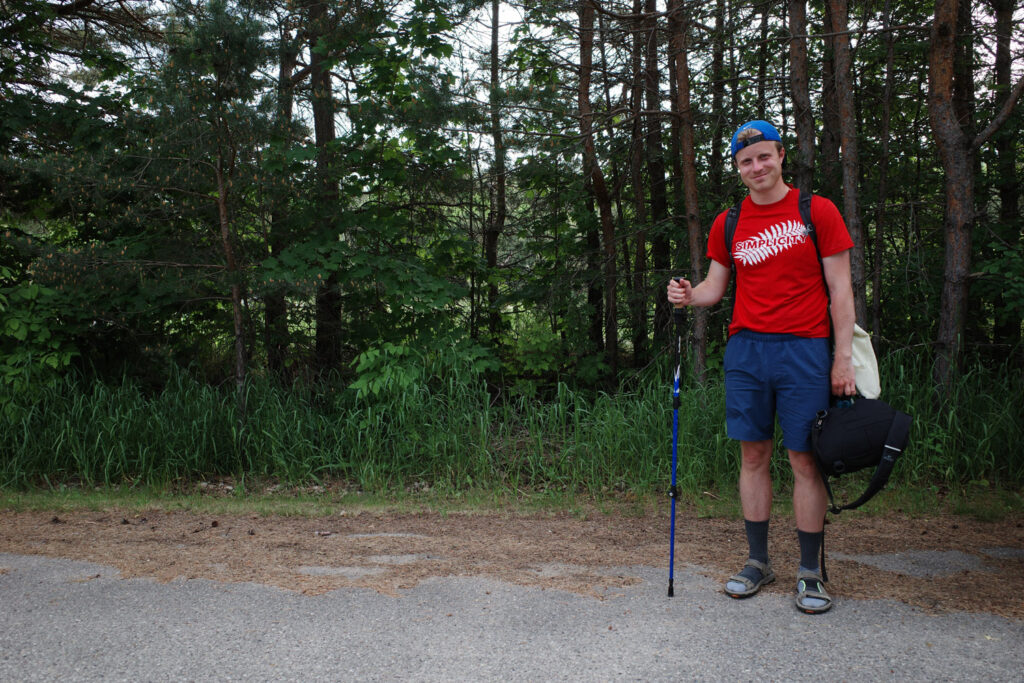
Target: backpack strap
(805,216)
(732,218)
(895,442)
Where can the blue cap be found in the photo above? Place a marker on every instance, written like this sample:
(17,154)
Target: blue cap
(767,133)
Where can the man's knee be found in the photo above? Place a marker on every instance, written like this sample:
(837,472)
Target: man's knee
(756,454)
(804,465)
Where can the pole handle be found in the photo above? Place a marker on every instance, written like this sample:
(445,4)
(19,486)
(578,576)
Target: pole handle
(679,312)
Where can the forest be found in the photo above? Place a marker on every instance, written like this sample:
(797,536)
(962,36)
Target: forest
(425,242)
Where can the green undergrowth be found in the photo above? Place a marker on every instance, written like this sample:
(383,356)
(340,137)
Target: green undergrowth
(447,439)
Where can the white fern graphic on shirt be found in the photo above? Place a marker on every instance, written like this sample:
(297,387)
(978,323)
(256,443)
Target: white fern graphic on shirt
(772,241)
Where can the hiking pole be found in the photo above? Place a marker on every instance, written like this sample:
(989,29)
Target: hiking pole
(678,317)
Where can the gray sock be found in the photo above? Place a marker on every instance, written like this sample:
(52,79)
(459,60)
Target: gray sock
(810,549)
(808,601)
(757,541)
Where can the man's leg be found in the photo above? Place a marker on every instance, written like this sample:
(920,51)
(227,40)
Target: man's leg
(756,499)
(809,503)
(756,480)
(809,497)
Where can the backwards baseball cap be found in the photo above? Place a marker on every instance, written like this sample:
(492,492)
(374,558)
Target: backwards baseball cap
(765,132)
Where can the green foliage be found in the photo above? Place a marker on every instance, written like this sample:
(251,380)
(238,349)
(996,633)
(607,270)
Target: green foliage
(1005,276)
(35,345)
(110,165)
(388,370)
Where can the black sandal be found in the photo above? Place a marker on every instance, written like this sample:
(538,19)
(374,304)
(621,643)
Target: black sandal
(810,585)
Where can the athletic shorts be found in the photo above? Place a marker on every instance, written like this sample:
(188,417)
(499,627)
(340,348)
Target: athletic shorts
(769,374)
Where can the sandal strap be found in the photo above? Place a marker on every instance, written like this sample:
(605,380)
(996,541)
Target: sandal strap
(763,567)
(811,585)
(805,575)
(813,590)
(739,578)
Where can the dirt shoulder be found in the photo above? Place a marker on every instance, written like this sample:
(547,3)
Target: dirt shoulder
(388,552)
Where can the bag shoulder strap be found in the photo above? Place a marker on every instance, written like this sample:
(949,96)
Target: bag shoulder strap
(895,442)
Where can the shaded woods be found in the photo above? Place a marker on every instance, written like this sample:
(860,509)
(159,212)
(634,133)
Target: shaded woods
(354,194)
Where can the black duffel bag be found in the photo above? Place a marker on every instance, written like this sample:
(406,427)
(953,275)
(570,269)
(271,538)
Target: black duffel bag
(857,434)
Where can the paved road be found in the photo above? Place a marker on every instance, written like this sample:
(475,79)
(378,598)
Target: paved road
(76,621)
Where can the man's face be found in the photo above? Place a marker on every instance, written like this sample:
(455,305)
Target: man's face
(760,166)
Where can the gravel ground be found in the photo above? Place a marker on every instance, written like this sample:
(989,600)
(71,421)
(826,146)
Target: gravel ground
(73,620)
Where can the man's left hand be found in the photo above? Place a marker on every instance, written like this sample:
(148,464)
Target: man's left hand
(844,381)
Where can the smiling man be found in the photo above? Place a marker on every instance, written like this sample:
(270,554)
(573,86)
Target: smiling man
(778,363)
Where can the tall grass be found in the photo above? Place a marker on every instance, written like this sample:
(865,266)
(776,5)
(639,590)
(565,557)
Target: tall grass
(448,433)
(974,433)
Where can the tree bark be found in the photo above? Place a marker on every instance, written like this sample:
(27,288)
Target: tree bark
(719,123)
(957,151)
(639,295)
(828,151)
(234,275)
(1007,330)
(275,324)
(496,222)
(678,25)
(850,160)
(328,296)
(763,57)
(957,162)
(660,243)
(803,159)
(600,188)
(881,214)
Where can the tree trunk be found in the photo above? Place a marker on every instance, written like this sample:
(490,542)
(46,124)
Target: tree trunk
(828,151)
(850,161)
(720,182)
(803,159)
(275,324)
(496,222)
(656,166)
(716,165)
(601,194)
(328,296)
(678,26)
(639,295)
(234,275)
(763,57)
(1007,330)
(958,153)
(976,319)
(881,214)
(595,265)
(957,162)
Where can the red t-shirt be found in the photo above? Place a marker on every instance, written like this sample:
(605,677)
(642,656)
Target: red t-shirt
(780,287)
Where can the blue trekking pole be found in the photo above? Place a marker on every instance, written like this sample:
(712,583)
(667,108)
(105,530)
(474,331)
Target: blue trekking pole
(679,317)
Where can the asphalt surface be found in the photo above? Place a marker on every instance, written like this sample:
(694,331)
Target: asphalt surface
(75,621)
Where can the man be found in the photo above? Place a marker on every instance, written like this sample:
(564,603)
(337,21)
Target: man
(777,361)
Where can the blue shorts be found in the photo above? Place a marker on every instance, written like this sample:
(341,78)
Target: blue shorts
(767,374)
